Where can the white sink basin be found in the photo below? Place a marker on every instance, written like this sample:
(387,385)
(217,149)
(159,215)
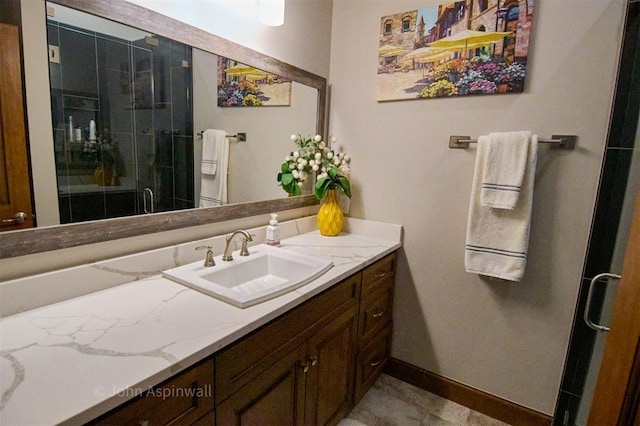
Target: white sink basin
(246,280)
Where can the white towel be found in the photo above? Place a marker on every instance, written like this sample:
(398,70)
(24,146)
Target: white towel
(503,172)
(213,187)
(212,147)
(498,239)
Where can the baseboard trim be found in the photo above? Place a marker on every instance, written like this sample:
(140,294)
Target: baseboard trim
(475,399)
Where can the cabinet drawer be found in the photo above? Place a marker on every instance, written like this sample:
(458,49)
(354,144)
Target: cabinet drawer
(375,274)
(375,311)
(246,359)
(181,400)
(371,361)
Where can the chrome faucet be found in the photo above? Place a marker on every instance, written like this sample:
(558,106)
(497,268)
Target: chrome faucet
(246,237)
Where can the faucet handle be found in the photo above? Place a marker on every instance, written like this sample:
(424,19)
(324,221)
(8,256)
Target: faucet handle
(244,251)
(208,261)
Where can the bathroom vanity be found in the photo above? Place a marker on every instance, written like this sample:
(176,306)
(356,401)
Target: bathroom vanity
(156,351)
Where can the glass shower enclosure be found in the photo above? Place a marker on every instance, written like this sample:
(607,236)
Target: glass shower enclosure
(122,120)
(619,184)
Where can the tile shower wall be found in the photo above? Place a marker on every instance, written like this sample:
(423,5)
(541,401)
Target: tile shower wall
(139,94)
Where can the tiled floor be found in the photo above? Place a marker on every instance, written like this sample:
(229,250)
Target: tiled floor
(393,402)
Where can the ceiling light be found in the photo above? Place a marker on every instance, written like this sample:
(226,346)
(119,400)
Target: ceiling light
(271,12)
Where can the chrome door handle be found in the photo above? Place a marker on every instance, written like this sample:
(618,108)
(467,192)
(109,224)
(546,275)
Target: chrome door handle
(587,309)
(144,200)
(19,218)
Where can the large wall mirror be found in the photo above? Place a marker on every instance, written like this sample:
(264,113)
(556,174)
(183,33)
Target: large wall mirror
(132,93)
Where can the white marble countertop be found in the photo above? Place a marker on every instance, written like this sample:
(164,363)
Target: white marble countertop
(71,361)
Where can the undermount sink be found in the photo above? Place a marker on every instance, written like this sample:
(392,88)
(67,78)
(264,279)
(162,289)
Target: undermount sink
(246,280)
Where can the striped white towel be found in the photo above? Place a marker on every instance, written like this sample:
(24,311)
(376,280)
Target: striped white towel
(498,239)
(212,148)
(213,186)
(503,172)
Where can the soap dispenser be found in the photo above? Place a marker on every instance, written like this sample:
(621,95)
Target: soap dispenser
(273,231)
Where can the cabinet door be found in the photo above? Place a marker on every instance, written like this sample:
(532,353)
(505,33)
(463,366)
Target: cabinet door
(275,397)
(331,357)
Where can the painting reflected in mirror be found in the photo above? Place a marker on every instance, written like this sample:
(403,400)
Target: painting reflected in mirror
(241,85)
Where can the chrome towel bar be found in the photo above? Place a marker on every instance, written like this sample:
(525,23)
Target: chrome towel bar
(567,142)
(241,137)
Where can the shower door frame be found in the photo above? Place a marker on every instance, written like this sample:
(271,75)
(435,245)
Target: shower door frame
(616,397)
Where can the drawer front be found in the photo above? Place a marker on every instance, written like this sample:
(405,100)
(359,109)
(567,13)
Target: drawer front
(246,359)
(371,361)
(181,400)
(374,275)
(375,311)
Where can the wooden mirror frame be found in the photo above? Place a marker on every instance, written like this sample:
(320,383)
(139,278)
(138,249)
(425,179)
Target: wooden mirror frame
(37,240)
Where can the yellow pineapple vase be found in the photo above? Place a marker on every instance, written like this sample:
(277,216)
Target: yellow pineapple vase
(330,216)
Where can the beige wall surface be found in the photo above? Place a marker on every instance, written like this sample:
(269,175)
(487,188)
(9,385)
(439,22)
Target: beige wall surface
(508,339)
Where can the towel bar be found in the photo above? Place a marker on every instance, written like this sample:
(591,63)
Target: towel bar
(567,142)
(241,137)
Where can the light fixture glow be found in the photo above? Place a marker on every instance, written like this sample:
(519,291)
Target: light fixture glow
(271,12)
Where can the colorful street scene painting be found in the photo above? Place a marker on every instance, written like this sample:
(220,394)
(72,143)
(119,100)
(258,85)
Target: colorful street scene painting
(241,85)
(471,47)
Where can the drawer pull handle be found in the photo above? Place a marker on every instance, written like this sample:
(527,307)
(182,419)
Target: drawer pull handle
(375,363)
(314,360)
(378,314)
(305,366)
(379,274)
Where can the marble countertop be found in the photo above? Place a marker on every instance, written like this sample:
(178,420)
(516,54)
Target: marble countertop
(72,361)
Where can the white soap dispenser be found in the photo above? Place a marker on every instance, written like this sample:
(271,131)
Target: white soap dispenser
(273,231)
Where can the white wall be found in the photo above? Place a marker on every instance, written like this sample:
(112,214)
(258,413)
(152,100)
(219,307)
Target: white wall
(508,339)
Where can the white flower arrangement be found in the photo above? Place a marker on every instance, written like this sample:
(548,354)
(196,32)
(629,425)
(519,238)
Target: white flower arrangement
(314,157)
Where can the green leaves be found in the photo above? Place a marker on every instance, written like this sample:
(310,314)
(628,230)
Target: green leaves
(344,185)
(288,182)
(334,180)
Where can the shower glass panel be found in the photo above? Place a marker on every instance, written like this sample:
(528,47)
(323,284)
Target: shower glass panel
(610,288)
(619,184)
(122,120)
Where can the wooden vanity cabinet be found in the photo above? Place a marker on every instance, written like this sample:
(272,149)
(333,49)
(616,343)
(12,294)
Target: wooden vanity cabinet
(312,364)
(312,382)
(374,323)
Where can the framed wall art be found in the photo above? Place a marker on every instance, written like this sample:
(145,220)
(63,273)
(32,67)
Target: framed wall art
(477,47)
